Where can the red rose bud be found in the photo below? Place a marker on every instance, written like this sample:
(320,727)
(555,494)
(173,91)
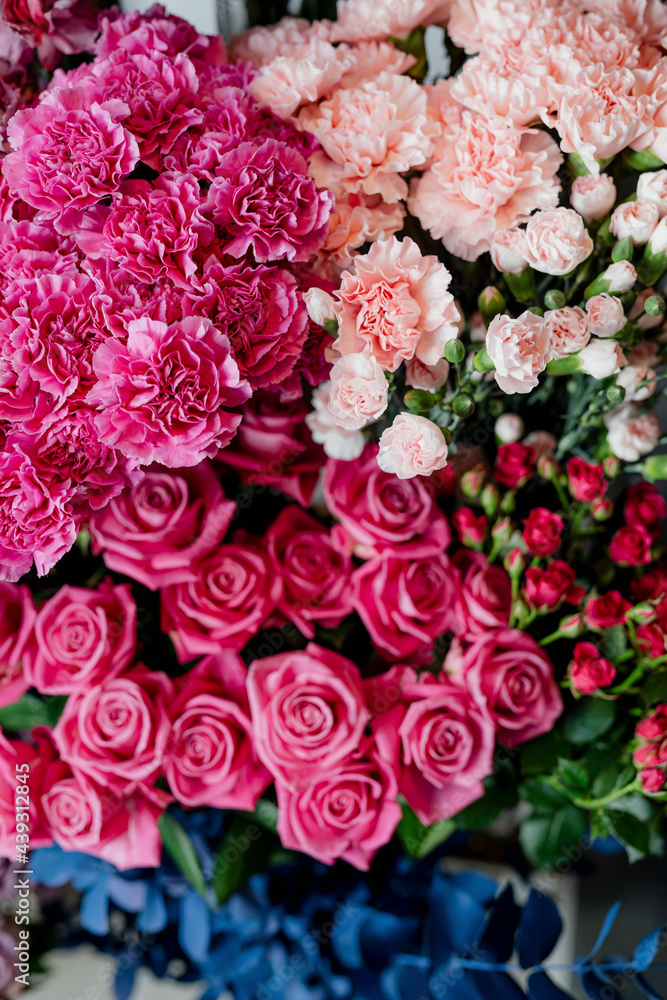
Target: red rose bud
(602,509)
(631,546)
(571,627)
(546,589)
(588,670)
(515,562)
(611,466)
(653,780)
(471,527)
(651,753)
(502,530)
(489,499)
(643,612)
(472,482)
(585,480)
(542,531)
(606,610)
(644,506)
(548,467)
(515,464)
(651,640)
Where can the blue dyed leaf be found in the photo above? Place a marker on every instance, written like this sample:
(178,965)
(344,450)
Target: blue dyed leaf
(124,983)
(647,949)
(452,982)
(540,987)
(496,941)
(194,927)
(128,895)
(646,988)
(498,985)
(211,993)
(153,918)
(346,939)
(539,930)
(596,988)
(94,914)
(481,887)
(456,920)
(407,978)
(607,925)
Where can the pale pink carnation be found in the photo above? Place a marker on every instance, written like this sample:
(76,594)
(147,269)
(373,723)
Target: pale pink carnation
(301,74)
(484,177)
(519,349)
(336,441)
(652,186)
(428,377)
(365,20)
(568,330)
(373,58)
(601,358)
(605,315)
(557,241)
(542,442)
(634,220)
(638,381)
(473,23)
(359,391)
(621,277)
(509,250)
(593,196)
(263,44)
(265,201)
(488,86)
(69,154)
(357,219)
(412,446)
(160,395)
(631,435)
(647,19)
(370,135)
(396,306)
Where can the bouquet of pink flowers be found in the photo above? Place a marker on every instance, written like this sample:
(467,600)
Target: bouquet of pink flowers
(327,402)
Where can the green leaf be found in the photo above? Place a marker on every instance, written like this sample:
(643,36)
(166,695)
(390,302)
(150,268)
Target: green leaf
(266,814)
(589,720)
(636,805)
(30,711)
(542,795)
(178,844)
(244,850)
(540,756)
(556,839)
(655,689)
(573,774)
(500,793)
(615,643)
(634,833)
(606,781)
(419,840)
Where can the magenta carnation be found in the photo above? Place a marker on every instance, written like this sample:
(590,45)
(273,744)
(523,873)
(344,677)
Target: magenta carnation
(265,200)
(160,396)
(69,154)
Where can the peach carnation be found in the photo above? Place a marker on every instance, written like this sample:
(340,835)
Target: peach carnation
(593,197)
(359,391)
(486,176)
(301,75)
(365,20)
(395,306)
(557,241)
(568,330)
(412,446)
(357,219)
(634,220)
(370,135)
(472,23)
(519,349)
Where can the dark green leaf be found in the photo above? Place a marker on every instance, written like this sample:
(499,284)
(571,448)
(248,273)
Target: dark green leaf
(573,774)
(557,839)
(31,711)
(497,797)
(540,756)
(266,814)
(655,689)
(244,850)
(634,834)
(178,844)
(542,795)
(589,719)
(615,643)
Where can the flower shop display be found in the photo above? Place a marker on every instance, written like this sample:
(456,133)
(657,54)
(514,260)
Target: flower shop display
(330,467)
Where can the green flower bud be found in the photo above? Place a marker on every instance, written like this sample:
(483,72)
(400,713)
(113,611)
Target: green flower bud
(482,362)
(615,394)
(622,250)
(522,286)
(418,400)
(472,482)
(455,351)
(508,502)
(502,530)
(463,404)
(554,299)
(655,467)
(490,303)
(489,499)
(654,305)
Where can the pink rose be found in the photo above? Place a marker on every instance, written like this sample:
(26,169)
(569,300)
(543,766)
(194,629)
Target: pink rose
(631,546)
(634,220)
(652,186)
(160,395)
(428,377)
(440,742)
(509,672)
(546,589)
(586,480)
(348,811)
(155,531)
(370,135)
(557,241)
(593,196)
(115,731)
(519,349)
(380,513)
(542,532)
(235,589)
(81,637)
(484,599)
(396,305)
(568,330)
(359,392)
(315,573)
(308,713)
(274,447)
(405,603)
(605,315)
(210,758)
(82,815)
(412,446)
(588,670)
(18,758)
(69,154)
(17,615)
(631,434)
(359,20)
(265,201)
(607,610)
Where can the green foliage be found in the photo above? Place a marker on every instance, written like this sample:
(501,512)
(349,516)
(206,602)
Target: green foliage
(30,711)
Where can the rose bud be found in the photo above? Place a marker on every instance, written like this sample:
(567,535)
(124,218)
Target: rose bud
(542,532)
(548,467)
(489,499)
(515,562)
(602,508)
(501,532)
(651,640)
(644,612)
(472,482)
(611,466)
(592,196)
(586,480)
(471,527)
(571,627)
(588,670)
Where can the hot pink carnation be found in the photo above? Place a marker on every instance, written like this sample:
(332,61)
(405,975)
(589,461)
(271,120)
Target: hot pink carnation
(17,615)
(396,305)
(155,531)
(160,396)
(265,201)
(66,131)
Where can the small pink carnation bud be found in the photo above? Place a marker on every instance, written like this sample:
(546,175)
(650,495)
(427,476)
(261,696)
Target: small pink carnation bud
(472,482)
(652,186)
(642,613)
(548,467)
(320,306)
(634,220)
(508,250)
(611,466)
(621,276)
(515,562)
(601,358)
(593,197)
